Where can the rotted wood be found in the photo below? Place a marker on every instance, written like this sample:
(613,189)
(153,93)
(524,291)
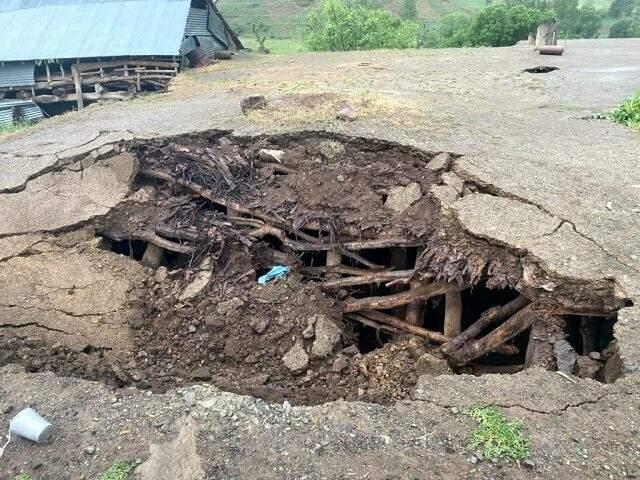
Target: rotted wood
(399,299)
(539,349)
(381,317)
(149,237)
(341,269)
(452,314)
(415,310)
(516,324)
(77,81)
(491,316)
(400,325)
(333,260)
(371,277)
(373,324)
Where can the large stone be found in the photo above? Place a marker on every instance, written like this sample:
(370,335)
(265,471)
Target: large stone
(296,359)
(253,102)
(401,198)
(328,337)
(174,460)
(199,281)
(428,364)
(565,356)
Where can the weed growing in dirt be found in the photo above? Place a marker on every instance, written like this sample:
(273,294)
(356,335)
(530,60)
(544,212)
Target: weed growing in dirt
(22,476)
(497,436)
(118,471)
(628,113)
(16,127)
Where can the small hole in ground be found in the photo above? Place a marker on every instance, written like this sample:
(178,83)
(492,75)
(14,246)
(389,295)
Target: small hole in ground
(540,69)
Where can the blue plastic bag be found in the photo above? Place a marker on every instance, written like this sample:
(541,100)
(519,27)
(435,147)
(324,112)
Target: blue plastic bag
(276,272)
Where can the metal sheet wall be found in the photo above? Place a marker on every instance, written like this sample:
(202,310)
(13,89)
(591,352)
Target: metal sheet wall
(17,75)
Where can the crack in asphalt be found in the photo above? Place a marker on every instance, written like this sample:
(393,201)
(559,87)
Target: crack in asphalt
(491,189)
(58,310)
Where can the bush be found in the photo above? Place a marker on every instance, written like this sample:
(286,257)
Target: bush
(453,31)
(343,25)
(628,113)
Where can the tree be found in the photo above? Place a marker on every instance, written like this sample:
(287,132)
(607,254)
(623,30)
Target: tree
(622,8)
(502,25)
(453,31)
(625,28)
(588,23)
(408,10)
(342,25)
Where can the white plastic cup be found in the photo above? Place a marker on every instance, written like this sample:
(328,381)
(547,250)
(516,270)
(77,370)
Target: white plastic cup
(29,424)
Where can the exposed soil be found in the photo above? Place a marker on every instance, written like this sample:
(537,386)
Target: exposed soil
(209,215)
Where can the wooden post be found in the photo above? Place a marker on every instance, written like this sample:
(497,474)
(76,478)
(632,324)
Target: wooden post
(77,81)
(153,255)
(415,311)
(452,314)
(333,259)
(46,66)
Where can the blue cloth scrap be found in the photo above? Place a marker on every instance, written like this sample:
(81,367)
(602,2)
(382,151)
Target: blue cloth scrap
(276,272)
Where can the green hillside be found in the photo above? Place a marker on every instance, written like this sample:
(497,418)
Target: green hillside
(283,17)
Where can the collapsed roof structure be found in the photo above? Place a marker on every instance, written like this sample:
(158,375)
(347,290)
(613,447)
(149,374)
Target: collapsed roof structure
(84,50)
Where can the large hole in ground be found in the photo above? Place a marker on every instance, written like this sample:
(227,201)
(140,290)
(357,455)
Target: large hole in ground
(380,288)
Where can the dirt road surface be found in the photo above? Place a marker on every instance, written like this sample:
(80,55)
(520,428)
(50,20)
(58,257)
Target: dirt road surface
(530,142)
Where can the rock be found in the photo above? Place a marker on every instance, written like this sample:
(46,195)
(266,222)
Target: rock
(351,350)
(455,410)
(340,178)
(473,459)
(347,114)
(229,306)
(161,274)
(199,281)
(587,367)
(331,149)
(428,364)
(340,364)
(328,337)
(595,355)
(565,356)
(308,333)
(270,156)
(401,198)
(613,368)
(253,102)
(202,373)
(296,359)
(90,450)
(192,329)
(259,325)
(439,162)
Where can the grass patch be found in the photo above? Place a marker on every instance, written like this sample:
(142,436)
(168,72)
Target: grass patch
(496,436)
(16,127)
(628,113)
(118,471)
(22,476)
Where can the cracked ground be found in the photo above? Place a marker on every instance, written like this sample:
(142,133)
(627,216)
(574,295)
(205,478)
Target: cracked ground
(552,183)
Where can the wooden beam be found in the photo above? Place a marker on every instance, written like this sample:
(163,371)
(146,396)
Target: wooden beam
(399,299)
(77,81)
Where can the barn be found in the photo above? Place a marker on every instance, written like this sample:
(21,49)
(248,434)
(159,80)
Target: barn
(62,51)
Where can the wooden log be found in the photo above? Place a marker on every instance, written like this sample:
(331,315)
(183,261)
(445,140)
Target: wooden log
(431,336)
(77,82)
(150,238)
(539,350)
(83,67)
(416,310)
(381,317)
(398,299)
(370,277)
(342,269)
(491,316)
(452,314)
(191,235)
(373,324)
(516,324)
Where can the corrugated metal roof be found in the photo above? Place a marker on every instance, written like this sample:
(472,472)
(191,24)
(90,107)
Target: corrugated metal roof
(56,29)
(21,110)
(217,28)
(188,44)
(210,44)
(17,75)
(197,22)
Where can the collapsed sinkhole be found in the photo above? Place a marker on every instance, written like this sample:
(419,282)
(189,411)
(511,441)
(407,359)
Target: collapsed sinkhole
(541,69)
(381,288)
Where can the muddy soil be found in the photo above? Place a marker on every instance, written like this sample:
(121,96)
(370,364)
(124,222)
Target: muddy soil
(208,215)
